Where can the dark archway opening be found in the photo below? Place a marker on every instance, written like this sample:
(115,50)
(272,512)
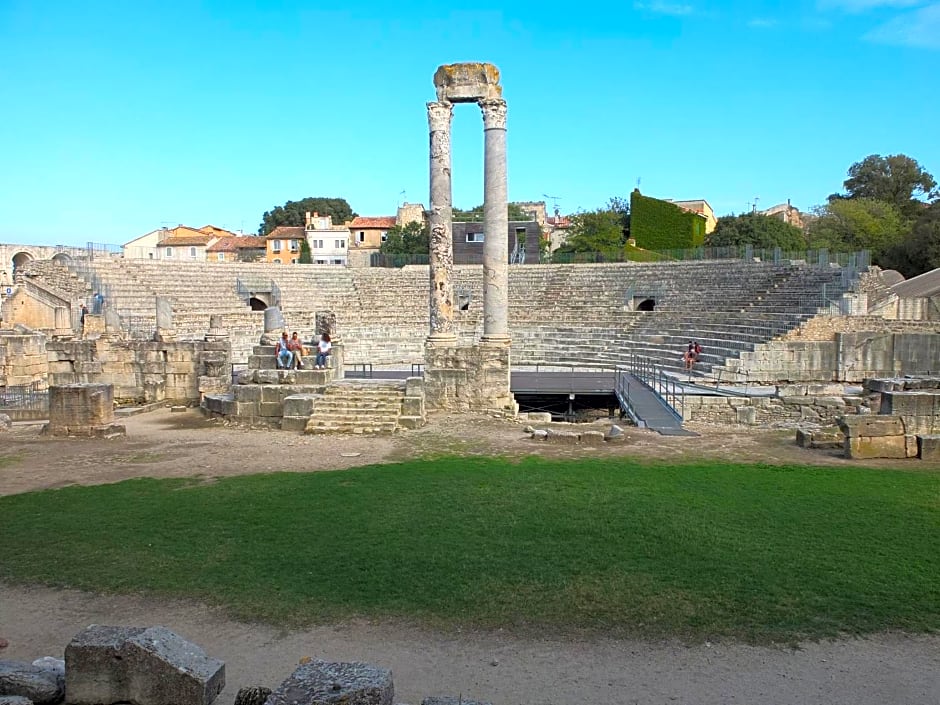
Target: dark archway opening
(61,259)
(257,304)
(20,260)
(646,305)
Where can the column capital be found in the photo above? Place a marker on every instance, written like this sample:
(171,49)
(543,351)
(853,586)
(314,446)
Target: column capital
(494,113)
(440,116)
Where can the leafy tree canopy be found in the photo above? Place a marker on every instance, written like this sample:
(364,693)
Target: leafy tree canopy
(761,231)
(409,239)
(895,179)
(920,251)
(306,257)
(293,213)
(859,224)
(600,230)
(476,214)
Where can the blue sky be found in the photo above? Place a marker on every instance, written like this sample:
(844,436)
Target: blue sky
(120,117)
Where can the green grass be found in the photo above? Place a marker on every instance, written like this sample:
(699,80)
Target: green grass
(617,547)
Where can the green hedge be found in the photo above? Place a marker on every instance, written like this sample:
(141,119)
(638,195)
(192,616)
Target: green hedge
(660,225)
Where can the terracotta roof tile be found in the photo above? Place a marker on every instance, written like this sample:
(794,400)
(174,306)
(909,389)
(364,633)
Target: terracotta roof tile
(287,232)
(381,221)
(187,239)
(234,244)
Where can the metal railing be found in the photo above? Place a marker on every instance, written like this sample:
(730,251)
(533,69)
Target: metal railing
(32,397)
(654,377)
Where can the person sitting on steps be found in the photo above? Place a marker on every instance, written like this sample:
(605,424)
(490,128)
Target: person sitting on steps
(323,350)
(297,350)
(282,353)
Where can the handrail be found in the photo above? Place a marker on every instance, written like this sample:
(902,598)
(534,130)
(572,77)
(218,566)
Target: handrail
(666,387)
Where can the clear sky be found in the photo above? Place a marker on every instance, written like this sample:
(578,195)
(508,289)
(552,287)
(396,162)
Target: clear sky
(121,116)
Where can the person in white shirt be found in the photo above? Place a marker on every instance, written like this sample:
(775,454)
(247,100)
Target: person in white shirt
(323,350)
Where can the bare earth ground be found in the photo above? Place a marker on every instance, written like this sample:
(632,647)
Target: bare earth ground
(501,667)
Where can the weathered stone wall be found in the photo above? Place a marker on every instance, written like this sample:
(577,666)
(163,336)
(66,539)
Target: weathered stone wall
(468,378)
(847,357)
(792,404)
(22,358)
(143,371)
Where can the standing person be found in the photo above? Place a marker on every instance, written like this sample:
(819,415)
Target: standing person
(323,350)
(81,318)
(282,353)
(297,349)
(97,303)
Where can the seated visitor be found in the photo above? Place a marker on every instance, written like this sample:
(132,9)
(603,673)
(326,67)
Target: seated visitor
(323,350)
(282,352)
(297,349)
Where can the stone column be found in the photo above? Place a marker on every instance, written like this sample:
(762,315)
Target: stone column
(441,225)
(495,223)
(273,326)
(165,331)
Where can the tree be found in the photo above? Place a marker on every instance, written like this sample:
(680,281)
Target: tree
(761,231)
(600,230)
(895,179)
(621,206)
(920,251)
(293,213)
(305,256)
(410,239)
(859,224)
(475,214)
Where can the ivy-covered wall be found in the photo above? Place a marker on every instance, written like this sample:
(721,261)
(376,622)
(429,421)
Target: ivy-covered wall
(660,225)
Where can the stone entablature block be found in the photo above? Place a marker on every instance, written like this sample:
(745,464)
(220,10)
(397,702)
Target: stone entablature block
(468,82)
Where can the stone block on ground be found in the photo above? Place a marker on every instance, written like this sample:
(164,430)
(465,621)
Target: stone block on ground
(139,665)
(324,682)
(38,684)
(867,447)
(563,437)
(928,447)
(252,695)
(6,423)
(877,425)
(449,700)
(820,439)
(592,438)
(615,434)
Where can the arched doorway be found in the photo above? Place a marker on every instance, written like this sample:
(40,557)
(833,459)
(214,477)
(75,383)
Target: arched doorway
(257,304)
(646,305)
(61,259)
(20,259)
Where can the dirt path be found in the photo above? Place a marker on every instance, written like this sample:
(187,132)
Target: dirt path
(500,667)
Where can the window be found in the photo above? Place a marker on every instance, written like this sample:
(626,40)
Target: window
(384,236)
(192,252)
(169,252)
(337,261)
(220,257)
(277,260)
(342,244)
(293,260)
(275,245)
(474,237)
(294,246)
(361,237)
(339,244)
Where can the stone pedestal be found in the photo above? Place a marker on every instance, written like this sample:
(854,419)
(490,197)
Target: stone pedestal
(273,326)
(468,378)
(84,410)
(165,331)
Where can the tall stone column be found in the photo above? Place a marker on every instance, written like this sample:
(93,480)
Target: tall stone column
(495,223)
(441,226)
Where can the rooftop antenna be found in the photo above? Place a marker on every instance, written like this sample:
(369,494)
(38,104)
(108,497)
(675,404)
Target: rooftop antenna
(555,205)
(401,198)
(638,180)
(756,201)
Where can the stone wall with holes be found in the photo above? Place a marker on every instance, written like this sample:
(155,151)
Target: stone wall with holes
(22,358)
(791,405)
(141,371)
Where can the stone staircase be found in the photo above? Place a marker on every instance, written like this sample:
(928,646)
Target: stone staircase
(365,406)
(312,401)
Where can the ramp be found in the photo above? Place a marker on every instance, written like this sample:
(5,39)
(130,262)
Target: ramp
(647,408)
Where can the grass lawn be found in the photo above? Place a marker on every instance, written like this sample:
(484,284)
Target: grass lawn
(612,546)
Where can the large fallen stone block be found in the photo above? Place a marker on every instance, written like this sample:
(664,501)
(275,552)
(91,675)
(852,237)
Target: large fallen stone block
(323,682)
(40,685)
(928,447)
(877,425)
(865,447)
(820,438)
(141,666)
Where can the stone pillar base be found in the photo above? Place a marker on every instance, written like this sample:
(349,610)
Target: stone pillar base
(468,378)
(84,410)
